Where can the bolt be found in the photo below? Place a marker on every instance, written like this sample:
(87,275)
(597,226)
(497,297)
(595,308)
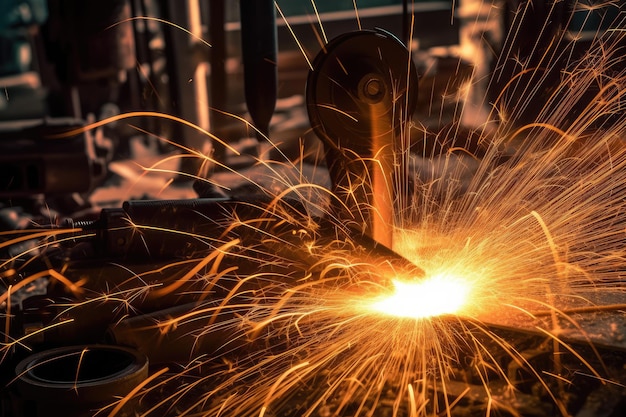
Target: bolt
(373,88)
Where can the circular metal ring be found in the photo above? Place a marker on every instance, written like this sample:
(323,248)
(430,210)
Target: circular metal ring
(80,374)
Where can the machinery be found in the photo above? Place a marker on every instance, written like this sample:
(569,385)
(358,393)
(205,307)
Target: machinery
(99,294)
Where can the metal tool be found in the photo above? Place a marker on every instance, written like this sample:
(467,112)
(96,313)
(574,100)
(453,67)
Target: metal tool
(360,93)
(260,57)
(159,242)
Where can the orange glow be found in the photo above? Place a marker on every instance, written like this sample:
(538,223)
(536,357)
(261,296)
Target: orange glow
(434,296)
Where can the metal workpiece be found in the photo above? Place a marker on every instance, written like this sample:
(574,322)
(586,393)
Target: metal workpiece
(184,229)
(166,229)
(179,252)
(332,247)
(179,334)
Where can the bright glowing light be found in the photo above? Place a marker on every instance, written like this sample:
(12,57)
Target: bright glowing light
(434,296)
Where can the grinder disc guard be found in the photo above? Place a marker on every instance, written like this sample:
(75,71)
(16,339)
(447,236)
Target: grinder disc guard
(362,82)
(360,94)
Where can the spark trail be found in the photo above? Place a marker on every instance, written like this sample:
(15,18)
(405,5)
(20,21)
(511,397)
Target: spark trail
(524,223)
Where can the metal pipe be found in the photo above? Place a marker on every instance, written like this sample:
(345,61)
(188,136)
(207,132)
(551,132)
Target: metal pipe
(260,61)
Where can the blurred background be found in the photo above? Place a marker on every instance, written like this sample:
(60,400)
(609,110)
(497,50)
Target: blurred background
(67,63)
(140,74)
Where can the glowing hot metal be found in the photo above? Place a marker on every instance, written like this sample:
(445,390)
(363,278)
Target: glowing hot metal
(434,296)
